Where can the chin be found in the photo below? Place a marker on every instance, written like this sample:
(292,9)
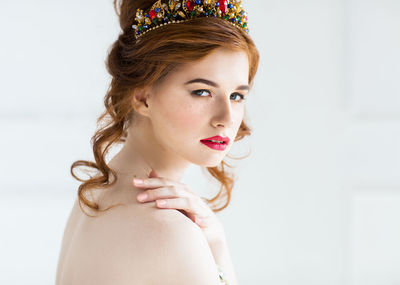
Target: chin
(211,163)
(207,158)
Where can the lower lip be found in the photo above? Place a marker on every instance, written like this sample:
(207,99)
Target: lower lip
(216,146)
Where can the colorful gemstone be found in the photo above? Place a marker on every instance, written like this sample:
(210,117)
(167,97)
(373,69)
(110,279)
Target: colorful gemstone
(223,5)
(152,14)
(190,5)
(180,13)
(230,10)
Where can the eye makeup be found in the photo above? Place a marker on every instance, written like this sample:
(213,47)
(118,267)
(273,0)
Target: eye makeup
(200,91)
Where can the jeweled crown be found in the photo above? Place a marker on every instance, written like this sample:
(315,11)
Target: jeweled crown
(176,11)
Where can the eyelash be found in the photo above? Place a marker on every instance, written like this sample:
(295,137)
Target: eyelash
(200,90)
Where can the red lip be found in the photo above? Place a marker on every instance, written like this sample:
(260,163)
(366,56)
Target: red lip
(218,138)
(214,145)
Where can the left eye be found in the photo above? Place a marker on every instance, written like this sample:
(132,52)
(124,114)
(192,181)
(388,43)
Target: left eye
(240,95)
(197,92)
(201,91)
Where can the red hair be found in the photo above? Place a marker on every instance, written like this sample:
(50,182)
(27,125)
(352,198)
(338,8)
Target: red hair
(135,64)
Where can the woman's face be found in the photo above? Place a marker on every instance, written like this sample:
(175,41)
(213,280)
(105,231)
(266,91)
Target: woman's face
(200,100)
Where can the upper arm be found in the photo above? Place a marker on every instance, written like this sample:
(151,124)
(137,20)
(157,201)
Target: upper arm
(178,253)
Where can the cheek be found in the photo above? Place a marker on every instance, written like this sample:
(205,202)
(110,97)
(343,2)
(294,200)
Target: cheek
(181,117)
(241,116)
(238,113)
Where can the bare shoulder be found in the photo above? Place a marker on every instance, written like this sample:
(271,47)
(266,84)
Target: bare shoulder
(179,251)
(168,249)
(141,244)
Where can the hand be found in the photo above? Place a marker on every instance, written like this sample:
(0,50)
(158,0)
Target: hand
(176,195)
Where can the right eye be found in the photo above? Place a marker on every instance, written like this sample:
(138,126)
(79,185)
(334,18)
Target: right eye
(199,92)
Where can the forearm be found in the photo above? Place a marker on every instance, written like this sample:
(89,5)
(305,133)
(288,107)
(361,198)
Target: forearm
(223,258)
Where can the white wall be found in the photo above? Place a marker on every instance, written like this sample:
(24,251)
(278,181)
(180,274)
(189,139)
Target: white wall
(317,201)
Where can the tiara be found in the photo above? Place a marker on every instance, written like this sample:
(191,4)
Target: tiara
(177,11)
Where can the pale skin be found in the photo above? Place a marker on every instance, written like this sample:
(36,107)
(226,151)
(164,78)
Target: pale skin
(164,140)
(171,124)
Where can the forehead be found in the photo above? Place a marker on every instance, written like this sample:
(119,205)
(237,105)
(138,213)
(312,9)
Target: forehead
(221,65)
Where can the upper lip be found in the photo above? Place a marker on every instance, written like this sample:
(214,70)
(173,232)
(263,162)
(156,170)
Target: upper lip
(218,138)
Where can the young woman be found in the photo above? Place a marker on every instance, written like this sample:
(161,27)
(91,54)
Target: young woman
(181,71)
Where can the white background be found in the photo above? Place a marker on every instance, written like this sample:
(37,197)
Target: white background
(316,202)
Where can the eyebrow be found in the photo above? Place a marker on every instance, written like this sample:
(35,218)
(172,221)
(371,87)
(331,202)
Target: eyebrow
(208,82)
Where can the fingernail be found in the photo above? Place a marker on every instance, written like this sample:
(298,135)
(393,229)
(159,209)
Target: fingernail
(161,202)
(142,196)
(138,181)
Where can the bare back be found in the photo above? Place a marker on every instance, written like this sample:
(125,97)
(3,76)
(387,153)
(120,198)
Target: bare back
(97,245)
(98,250)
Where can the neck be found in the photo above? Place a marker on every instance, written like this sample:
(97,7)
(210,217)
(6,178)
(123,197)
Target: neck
(141,153)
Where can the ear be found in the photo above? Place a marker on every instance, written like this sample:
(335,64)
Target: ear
(140,100)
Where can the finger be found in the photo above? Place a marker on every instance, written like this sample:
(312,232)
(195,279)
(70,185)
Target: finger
(154,182)
(160,193)
(182,203)
(200,221)
(138,181)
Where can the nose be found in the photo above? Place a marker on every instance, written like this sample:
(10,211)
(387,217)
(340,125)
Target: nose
(223,113)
